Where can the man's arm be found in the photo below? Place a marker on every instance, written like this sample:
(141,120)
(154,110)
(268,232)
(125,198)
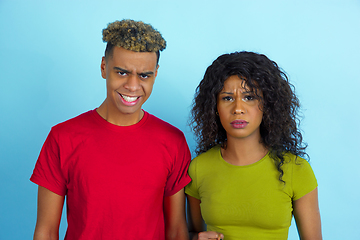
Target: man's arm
(307,216)
(49,212)
(175,221)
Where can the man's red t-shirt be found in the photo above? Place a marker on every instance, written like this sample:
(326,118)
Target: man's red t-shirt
(114,177)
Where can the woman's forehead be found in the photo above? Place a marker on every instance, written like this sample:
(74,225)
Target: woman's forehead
(237,82)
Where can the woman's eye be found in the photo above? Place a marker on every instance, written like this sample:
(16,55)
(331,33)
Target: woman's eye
(227,98)
(249,97)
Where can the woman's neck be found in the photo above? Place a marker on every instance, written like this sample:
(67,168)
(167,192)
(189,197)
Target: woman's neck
(243,152)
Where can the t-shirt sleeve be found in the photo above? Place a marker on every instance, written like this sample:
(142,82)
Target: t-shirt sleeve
(191,189)
(179,176)
(304,180)
(47,172)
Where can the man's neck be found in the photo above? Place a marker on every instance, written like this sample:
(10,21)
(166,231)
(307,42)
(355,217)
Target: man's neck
(115,117)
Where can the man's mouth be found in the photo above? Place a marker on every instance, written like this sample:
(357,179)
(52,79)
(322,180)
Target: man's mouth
(128,98)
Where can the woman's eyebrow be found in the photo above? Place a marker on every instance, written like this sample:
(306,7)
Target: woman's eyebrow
(243,92)
(247,91)
(224,92)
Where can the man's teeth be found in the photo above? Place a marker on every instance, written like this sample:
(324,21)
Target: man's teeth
(128,99)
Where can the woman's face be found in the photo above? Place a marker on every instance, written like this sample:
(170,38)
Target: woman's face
(239,110)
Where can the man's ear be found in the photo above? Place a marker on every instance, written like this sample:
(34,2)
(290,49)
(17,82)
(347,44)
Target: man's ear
(103,67)
(156,71)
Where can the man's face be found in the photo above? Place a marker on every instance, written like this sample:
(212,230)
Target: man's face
(130,77)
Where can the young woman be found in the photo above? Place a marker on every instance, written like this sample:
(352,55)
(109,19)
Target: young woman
(249,178)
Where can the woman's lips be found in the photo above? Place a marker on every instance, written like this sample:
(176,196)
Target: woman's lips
(239,123)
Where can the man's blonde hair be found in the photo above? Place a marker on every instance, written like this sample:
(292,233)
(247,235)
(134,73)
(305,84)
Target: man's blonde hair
(133,35)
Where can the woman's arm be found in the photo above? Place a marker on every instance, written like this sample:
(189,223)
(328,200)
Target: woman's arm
(49,212)
(307,216)
(196,224)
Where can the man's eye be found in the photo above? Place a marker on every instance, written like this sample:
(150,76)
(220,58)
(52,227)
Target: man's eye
(122,73)
(144,76)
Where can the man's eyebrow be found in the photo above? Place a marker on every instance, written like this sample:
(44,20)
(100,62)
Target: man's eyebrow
(127,71)
(122,70)
(146,73)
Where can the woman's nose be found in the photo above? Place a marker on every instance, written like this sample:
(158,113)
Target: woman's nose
(239,107)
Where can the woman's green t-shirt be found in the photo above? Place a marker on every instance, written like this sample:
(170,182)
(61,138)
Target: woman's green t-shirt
(248,202)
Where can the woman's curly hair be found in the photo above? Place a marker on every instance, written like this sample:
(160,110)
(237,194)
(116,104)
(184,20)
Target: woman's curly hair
(278,129)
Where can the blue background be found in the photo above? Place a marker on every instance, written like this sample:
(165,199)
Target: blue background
(50,53)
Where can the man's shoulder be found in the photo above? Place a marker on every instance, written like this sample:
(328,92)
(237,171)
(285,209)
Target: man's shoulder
(76,122)
(163,126)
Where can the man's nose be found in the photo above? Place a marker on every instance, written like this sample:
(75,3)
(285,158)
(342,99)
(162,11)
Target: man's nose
(133,83)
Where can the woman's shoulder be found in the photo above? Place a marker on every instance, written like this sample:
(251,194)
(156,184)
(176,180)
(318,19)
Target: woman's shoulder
(205,162)
(298,176)
(205,159)
(293,159)
(297,165)
(209,154)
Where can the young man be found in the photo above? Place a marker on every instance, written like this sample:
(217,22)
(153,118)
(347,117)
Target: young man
(121,169)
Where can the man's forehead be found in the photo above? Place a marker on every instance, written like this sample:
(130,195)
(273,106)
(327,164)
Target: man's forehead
(123,51)
(127,59)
